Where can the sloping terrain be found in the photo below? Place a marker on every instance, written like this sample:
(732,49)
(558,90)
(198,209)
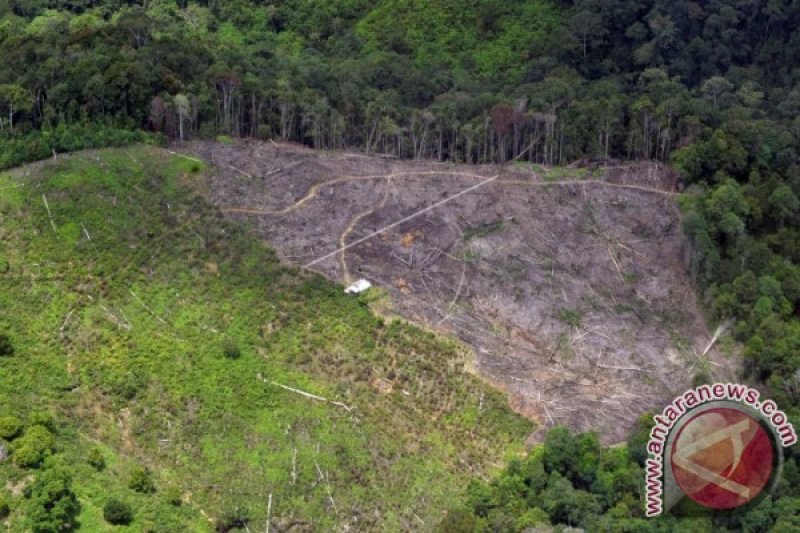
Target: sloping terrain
(569,283)
(148,332)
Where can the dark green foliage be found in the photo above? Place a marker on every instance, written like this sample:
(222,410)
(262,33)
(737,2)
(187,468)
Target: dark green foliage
(525,496)
(6,346)
(22,148)
(454,80)
(141,480)
(117,512)
(556,483)
(51,505)
(5,508)
(559,451)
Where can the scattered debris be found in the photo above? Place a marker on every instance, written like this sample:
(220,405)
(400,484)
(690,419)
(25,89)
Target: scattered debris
(569,285)
(306,394)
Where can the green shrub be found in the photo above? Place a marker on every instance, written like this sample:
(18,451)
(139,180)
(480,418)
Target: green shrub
(6,346)
(231,349)
(5,266)
(141,480)
(173,495)
(44,419)
(5,508)
(33,447)
(96,459)
(10,426)
(117,512)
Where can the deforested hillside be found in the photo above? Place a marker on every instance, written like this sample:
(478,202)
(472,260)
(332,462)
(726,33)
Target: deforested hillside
(569,284)
(160,358)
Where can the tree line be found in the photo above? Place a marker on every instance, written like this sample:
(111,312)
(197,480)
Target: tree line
(540,81)
(572,481)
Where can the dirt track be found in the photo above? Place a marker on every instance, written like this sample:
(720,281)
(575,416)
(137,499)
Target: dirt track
(571,290)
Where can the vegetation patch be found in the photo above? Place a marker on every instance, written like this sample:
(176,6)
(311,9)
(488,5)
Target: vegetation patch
(155,384)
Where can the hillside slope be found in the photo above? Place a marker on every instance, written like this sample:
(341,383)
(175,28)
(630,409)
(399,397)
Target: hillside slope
(570,284)
(151,335)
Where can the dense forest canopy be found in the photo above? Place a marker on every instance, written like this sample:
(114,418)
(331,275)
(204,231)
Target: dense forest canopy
(711,87)
(540,80)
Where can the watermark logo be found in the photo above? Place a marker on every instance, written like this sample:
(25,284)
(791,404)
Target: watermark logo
(722,458)
(717,446)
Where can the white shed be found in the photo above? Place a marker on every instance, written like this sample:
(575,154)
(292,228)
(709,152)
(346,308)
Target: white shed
(358,287)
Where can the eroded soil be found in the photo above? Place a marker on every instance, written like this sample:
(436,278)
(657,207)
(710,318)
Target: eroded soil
(569,284)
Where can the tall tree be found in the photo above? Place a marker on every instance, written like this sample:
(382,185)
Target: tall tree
(182,108)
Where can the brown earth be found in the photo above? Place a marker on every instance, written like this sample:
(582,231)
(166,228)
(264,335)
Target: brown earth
(570,285)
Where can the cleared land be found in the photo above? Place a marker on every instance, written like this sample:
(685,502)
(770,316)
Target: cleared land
(570,284)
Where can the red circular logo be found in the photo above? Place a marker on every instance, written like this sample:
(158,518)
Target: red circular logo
(722,458)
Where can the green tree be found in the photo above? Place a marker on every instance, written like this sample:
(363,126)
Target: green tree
(783,203)
(51,505)
(15,99)
(559,451)
(588,30)
(716,88)
(117,512)
(565,505)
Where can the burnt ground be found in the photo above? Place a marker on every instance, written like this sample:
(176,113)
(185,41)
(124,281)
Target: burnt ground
(570,285)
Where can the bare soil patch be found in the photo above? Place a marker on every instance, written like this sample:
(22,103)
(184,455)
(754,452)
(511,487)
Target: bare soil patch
(570,285)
